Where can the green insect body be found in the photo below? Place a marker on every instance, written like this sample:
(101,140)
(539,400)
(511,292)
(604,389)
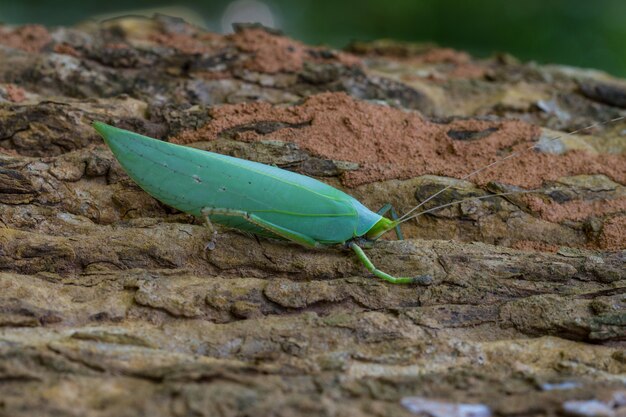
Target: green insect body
(250,196)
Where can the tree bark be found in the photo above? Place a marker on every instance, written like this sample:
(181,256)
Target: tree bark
(109,306)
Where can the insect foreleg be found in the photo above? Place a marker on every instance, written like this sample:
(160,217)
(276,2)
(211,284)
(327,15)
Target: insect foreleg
(263,224)
(394,216)
(420,279)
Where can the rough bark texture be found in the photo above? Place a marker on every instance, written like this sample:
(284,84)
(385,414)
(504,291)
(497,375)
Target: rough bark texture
(110,307)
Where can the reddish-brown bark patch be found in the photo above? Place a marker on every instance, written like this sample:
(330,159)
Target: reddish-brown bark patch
(273,53)
(613,236)
(389,143)
(574,210)
(29,38)
(188,43)
(442,55)
(263,51)
(14,93)
(66,49)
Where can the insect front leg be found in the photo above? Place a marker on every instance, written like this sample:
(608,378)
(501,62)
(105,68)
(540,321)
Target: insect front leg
(211,243)
(394,216)
(420,279)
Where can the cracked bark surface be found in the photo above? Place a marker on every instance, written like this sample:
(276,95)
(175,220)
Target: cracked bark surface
(110,307)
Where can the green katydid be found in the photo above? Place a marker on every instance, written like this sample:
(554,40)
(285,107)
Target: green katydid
(250,196)
(261,199)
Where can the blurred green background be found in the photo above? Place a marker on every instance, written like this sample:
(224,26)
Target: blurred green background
(575,32)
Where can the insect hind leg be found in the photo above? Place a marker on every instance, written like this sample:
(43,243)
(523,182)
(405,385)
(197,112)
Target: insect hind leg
(394,216)
(277,230)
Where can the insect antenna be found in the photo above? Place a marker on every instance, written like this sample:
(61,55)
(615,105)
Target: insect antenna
(407,215)
(482,197)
